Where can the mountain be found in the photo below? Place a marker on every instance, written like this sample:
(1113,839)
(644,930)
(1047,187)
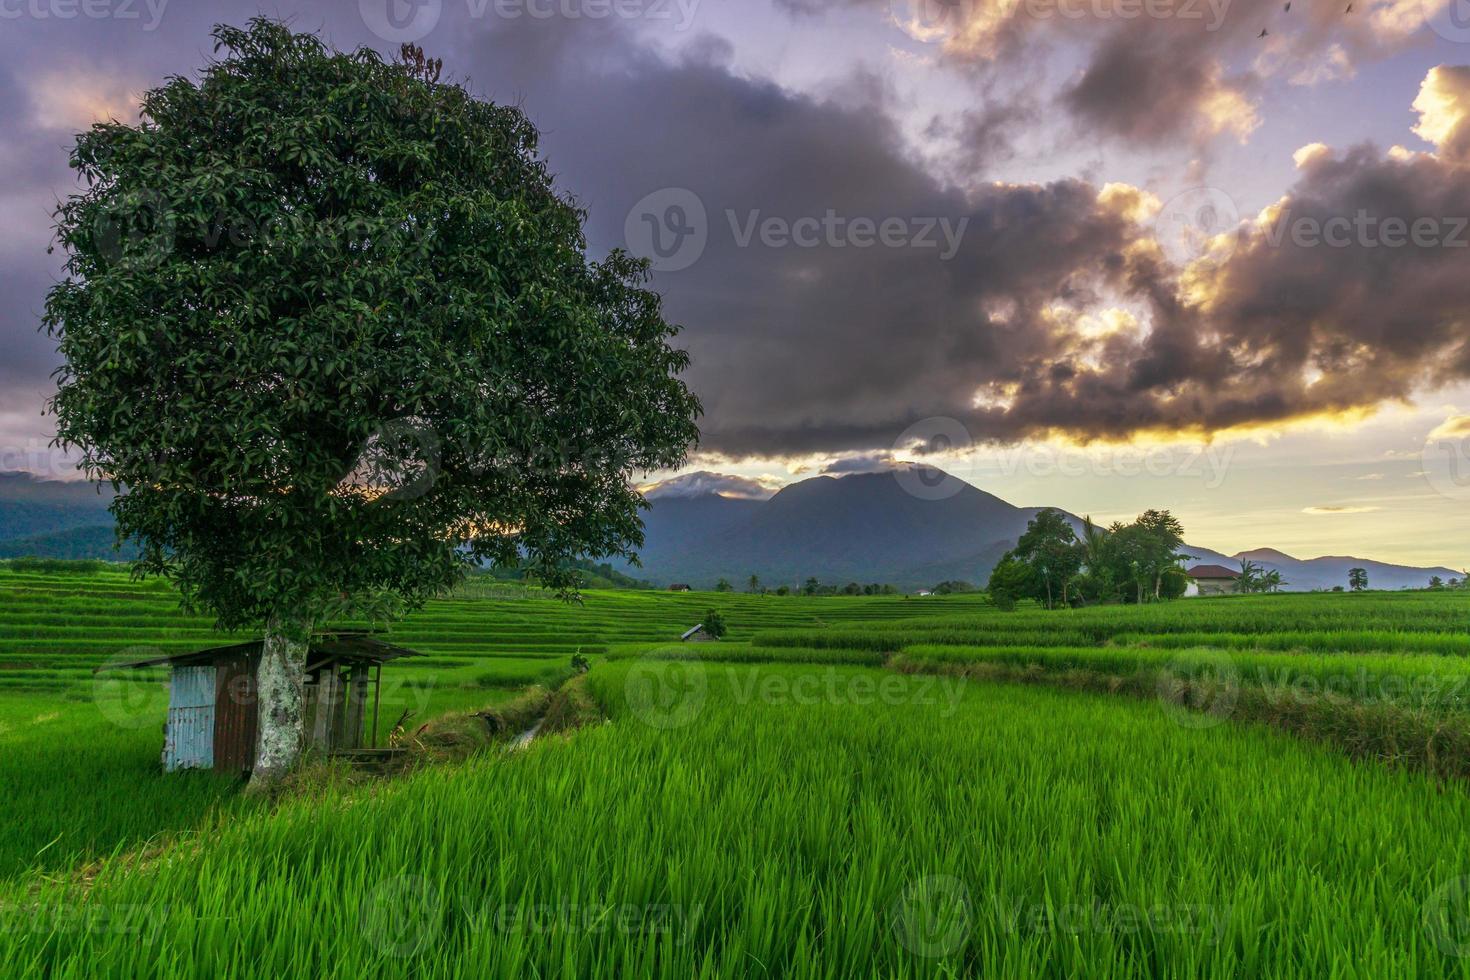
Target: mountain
(89,541)
(30,507)
(1304,574)
(865,527)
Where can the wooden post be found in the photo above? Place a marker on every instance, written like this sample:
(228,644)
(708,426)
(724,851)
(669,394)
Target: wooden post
(357,681)
(377,697)
(328,698)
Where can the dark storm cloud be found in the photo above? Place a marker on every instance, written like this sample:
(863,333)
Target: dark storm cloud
(822,336)
(1145,71)
(1352,291)
(1147,89)
(838,348)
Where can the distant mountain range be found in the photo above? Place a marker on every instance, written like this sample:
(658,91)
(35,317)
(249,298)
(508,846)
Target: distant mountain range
(866,527)
(1305,574)
(863,527)
(55,519)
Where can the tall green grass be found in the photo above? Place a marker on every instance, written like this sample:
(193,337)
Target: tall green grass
(1030,833)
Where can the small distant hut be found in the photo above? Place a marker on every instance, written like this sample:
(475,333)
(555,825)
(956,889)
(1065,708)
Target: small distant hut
(698,635)
(680,587)
(1211,580)
(213,710)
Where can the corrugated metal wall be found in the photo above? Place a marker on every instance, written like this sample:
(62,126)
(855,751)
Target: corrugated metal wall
(188,741)
(237,715)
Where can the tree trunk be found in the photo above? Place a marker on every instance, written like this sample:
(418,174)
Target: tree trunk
(278,685)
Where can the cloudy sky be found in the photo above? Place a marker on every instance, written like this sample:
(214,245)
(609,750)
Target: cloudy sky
(1101,254)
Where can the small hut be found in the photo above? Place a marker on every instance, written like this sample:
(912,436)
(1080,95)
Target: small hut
(1211,580)
(698,634)
(213,711)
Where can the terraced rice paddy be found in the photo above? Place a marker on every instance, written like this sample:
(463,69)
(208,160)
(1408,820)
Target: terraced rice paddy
(842,787)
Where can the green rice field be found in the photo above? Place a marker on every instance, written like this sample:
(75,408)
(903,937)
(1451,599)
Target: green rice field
(1265,786)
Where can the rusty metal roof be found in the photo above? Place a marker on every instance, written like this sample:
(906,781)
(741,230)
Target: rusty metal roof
(352,646)
(1212,571)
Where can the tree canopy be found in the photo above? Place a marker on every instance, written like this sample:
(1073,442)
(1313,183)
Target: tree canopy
(1137,562)
(333,328)
(330,324)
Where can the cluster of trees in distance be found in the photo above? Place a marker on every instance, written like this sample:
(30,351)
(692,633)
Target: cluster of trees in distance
(1137,562)
(811,586)
(1254,578)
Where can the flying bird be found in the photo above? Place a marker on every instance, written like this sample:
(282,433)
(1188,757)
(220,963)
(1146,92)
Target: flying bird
(1262,34)
(1287,9)
(1349,9)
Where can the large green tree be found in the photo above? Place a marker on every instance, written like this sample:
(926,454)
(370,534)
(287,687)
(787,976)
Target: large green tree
(1049,547)
(1162,540)
(332,329)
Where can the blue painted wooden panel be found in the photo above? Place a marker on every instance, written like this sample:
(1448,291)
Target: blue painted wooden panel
(189,740)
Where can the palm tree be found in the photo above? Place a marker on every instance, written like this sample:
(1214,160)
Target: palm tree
(1250,579)
(1095,558)
(1272,581)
